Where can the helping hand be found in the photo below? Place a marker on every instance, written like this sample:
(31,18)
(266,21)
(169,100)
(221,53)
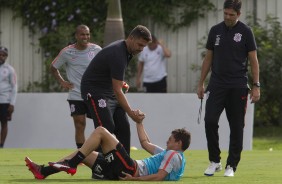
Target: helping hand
(126,177)
(137,116)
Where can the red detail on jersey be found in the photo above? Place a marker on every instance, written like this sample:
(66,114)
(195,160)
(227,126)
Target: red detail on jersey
(69,46)
(169,158)
(243,97)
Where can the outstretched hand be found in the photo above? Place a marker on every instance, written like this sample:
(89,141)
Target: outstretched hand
(137,116)
(127,176)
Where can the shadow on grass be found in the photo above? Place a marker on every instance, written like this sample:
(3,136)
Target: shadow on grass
(56,180)
(202,177)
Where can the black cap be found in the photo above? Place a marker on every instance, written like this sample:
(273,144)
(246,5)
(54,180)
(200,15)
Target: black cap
(4,49)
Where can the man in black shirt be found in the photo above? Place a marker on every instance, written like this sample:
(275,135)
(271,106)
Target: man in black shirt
(101,84)
(229,47)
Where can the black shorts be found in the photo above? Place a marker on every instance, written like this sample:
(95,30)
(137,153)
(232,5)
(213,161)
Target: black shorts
(4,114)
(78,107)
(156,87)
(106,112)
(119,161)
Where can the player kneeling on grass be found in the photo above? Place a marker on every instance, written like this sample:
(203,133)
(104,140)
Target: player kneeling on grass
(165,164)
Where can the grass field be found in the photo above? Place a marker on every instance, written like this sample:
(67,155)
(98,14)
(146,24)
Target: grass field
(259,166)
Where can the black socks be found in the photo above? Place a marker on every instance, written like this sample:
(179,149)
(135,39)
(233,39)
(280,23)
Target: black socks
(48,170)
(79,145)
(78,158)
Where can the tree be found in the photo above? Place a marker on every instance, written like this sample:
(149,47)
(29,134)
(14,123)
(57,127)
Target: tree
(269,42)
(55,18)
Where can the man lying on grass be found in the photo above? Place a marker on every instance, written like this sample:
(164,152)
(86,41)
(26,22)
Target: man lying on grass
(115,163)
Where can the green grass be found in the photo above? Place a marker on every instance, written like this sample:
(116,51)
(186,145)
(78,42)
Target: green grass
(268,137)
(258,166)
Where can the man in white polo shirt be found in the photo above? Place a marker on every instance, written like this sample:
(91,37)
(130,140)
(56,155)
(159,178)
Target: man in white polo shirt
(153,61)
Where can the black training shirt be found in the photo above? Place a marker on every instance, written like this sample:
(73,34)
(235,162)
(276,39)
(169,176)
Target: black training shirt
(110,62)
(230,48)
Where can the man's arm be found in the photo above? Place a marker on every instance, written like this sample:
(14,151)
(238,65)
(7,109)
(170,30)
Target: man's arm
(60,79)
(139,73)
(14,91)
(204,72)
(167,52)
(117,87)
(144,139)
(14,86)
(255,92)
(159,176)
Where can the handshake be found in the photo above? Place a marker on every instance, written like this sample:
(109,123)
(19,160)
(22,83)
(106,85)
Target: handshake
(138,116)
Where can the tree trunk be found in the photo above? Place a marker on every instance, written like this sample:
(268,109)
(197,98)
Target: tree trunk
(114,29)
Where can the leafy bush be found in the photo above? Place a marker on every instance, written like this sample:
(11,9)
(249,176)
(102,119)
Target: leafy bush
(269,42)
(57,19)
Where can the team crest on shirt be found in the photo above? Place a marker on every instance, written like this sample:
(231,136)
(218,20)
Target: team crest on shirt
(237,37)
(5,73)
(102,103)
(91,55)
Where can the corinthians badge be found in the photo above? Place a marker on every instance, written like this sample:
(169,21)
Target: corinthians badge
(237,37)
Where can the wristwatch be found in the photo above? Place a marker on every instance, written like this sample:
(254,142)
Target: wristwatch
(256,84)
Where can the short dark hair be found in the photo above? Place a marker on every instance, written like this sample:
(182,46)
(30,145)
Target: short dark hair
(154,38)
(4,49)
(81,26)
(182,135)
(233,4)
(141,32)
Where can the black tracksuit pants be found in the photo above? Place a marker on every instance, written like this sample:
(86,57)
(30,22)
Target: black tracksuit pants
(234,101)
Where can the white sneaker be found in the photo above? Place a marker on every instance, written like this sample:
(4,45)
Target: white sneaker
(213,167)
(229,171)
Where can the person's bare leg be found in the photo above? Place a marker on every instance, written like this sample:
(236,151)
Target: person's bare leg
(88,161)
(100,137)
(4,132)
(79,125)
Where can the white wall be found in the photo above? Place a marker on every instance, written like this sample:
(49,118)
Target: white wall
(27,57)
(42,120)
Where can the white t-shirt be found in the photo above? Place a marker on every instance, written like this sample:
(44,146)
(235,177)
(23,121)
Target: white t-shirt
(154,64)
(76,62)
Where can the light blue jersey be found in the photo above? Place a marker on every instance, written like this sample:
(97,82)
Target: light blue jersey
(76,62)
(173,162)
